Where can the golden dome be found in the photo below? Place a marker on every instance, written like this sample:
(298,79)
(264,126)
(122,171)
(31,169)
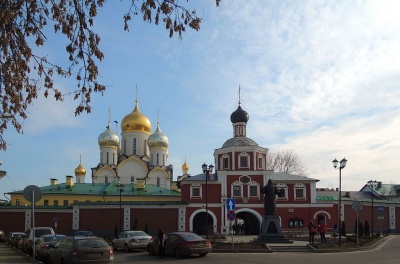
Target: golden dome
(80,170)
(136,121)
(185,166)
(158,139)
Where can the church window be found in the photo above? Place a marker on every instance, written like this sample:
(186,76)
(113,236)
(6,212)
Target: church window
(244,179)
(134,146)
(225,163)
(108,158)
(158,159)
(299,193)
(17,202)
(260,162)
(55,202)
(65,202)
(237,190)
(46,203)
(132,179)
(124,146)
(254,190)
(196,192)
(158,182)
(283,188)
(101,157)
(106,179)
(243,162)
(113,158)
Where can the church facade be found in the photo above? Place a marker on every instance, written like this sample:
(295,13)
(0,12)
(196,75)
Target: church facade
(132,187)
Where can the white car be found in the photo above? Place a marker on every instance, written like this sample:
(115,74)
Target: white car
(131,240)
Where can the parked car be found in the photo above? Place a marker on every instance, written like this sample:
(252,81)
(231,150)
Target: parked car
(31,237)
(80,249)
(14,238)
(131,240)
(181,244)
(83,233)
(43,243)
(2,236)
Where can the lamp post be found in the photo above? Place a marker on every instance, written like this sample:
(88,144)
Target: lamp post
(343,163)
(372,184)
(120,189)
(207,170)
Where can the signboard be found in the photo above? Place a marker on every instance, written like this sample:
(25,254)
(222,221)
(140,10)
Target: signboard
(357,206)
(230,204)
(231,215)
(380,208)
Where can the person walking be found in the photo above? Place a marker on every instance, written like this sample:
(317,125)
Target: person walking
(322,231)
(312,230)
(161,243)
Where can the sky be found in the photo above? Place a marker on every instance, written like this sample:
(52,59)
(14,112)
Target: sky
(320,78)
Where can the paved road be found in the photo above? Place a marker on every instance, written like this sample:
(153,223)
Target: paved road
(387,252)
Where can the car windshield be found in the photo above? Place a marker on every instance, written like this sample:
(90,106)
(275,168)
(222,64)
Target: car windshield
(52,238)
(138,234)
(92,243)
(191,237)
(40,232)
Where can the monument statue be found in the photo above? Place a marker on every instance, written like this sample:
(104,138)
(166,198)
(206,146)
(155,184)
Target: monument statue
(270,192)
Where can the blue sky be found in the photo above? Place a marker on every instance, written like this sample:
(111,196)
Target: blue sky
(318,77)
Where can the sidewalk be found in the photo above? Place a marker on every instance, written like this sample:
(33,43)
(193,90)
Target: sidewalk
(9,254)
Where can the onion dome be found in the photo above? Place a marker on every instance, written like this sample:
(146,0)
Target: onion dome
(108,138)
(136,121)
(185,166)
(239,116)
(158,139)
(80,170)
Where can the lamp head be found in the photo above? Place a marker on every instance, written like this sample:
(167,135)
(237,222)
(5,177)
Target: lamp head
(343,163)
(335,162)
(204,167)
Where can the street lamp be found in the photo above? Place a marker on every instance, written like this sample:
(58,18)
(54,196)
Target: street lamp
(342,165)
(120,189)
(372,184)
(207,171)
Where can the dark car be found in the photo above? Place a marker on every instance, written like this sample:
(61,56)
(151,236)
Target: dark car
(80,249)
(43,244)
(181,244)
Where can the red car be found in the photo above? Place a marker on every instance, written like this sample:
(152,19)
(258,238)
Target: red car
(181,244)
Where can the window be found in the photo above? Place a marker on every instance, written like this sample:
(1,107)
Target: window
(283,188)
(225,163)
(108,161)
(134,146)
(106,179)
(55,202)
(17,202)
(299,193)
(244,179)
(65,202)
(46,202)
(237,190)
(158,182)
(260,162)
(243,162)
(132,179)
(195,191)
(158,159)
(254,190)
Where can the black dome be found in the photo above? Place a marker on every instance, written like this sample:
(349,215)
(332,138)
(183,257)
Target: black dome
(239,116)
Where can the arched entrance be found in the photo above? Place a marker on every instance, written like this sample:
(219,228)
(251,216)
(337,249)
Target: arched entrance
(200,223)
(250,222)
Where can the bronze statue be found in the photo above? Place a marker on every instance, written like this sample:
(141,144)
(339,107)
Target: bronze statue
(270,192)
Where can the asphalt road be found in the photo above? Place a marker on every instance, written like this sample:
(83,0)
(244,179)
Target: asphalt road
(387,252)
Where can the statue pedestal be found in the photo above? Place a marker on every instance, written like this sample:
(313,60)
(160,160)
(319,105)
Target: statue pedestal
(271,231)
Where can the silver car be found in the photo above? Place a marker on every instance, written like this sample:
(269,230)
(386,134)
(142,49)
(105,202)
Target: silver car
(129,240)
(43,244)
(80,249)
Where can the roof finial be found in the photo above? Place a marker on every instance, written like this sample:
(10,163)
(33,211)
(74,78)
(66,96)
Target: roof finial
(80,159)
(158,116)
(109,116)
(136,95)
(239,95)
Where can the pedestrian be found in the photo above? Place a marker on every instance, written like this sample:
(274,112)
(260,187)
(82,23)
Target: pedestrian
(312,230)
(161,243)
(322,231)
(335,230)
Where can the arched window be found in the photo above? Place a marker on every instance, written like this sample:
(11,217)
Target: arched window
(158,181)
(134,146)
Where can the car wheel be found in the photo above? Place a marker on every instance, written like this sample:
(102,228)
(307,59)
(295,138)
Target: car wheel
(203,254)
(151,250)
(177,253)
(114,247)
(126,248)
